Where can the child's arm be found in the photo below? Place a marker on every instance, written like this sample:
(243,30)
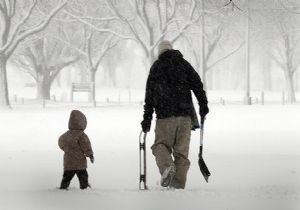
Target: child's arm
(85,145)
(60,143)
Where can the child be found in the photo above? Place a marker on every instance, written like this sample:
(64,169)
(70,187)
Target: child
(76,145)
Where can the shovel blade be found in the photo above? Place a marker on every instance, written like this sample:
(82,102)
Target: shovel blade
(203,168)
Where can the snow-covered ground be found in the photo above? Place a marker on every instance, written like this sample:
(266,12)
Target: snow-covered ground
(253,153)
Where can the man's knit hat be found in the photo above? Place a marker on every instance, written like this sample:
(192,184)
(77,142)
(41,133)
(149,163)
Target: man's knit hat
(164,46)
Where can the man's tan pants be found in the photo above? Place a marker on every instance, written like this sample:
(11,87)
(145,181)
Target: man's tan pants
(172,137)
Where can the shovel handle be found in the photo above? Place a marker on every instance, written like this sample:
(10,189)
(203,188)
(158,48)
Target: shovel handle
(201,132)
(202,119)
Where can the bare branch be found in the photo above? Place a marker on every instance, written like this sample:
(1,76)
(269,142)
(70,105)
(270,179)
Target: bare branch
(131,27)
(20,63)
(20,37)
(145,15)
(279,52)
(160,38)
(173,12)
(68,44)
(226,56)
(5,8)
(192,10)
(141,19)
(139,12)
(105,48)
(280,64)
(89,49)
(30,58)
(1,7)
(100,19)
(159,14)
(10,6)
(96,28)
(61,66)
(212,46)
(170,22)
(196,56)
(189,23)
(13,8)
(86,18)
(182,30)
(286,8)
(19,25)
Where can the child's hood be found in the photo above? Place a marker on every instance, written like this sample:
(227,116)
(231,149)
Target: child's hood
(77,120)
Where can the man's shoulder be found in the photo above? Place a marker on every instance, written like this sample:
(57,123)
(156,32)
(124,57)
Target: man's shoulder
(154,67)
(188,66)
(156,63)
(186,62)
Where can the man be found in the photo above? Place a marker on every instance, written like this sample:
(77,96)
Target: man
(168,92)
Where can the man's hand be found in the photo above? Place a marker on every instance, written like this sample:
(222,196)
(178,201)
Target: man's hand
(204,110)
(92,159)
(146,124)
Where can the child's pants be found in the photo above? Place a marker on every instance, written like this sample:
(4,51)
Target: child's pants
(68,176)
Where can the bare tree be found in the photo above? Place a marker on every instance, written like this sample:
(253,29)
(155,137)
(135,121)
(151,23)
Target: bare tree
(111,61)
(13,30)
(147,22)
(285,45)
(287,56)
(43,60)
(93,55)
(154,21)
(93,47)
(215,32)
(211,50)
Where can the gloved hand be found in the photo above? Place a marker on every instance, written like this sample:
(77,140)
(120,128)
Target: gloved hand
(92,159)
(146,124)
(203,111)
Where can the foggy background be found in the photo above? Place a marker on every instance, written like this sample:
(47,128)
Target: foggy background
(244,46)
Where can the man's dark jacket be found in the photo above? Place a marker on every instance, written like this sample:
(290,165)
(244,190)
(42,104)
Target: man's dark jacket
(169,85)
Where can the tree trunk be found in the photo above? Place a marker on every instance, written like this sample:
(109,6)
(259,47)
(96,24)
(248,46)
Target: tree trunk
(148,62)
(296,81)
(203,76)
(4,100)
(290,87)
(92,97)
(267,74)
(247,99)
(59,80)
(209,80)
(151,58)
(112,76)
(43,87)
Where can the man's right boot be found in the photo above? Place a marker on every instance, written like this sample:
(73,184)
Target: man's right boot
(167,176)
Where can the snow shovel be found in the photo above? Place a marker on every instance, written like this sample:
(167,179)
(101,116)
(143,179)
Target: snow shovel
(203,168)
(143,163)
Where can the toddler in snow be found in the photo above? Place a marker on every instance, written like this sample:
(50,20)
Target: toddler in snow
(76,146)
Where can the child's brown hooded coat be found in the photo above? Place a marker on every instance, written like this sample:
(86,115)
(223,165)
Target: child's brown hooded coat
(75,143)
